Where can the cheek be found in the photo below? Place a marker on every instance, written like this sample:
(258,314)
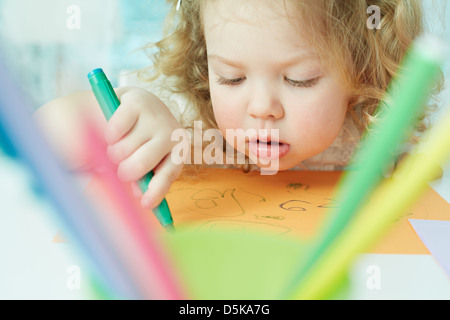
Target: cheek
(331,106)
(226,110)
(331,117)
(320,121)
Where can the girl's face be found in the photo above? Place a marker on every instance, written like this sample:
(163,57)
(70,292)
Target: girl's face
(264,75)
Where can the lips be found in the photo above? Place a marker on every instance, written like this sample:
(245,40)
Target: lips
(268,149)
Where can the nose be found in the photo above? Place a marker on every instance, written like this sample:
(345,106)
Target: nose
(264,103)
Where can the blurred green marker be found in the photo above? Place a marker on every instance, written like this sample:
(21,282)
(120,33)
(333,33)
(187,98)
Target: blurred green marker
(108,101)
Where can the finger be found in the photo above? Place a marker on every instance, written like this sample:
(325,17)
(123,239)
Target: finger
(121,122)
(144,159)
(126,146)
(165,174)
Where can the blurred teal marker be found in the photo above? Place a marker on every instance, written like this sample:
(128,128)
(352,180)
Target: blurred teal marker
(108,101)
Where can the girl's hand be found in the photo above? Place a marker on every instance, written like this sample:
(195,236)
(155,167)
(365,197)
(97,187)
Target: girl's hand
(139,140)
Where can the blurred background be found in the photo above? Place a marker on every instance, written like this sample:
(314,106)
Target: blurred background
(51,45)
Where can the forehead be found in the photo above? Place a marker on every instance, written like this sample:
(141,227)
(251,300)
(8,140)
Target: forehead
(248,10)
(264,26)
(225,20)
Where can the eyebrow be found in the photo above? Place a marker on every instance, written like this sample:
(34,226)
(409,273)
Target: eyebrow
(224,60)
(284,64)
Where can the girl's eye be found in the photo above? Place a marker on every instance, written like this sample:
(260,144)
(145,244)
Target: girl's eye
(303,83)
(296,83)
(229,82)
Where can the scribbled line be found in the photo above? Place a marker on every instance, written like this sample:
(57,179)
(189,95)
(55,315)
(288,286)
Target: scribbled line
(330,204)
(402,216)
(299,205)
(262,199)
(198,196)
(294,205)
(270,217)
(207,200)
(298,186)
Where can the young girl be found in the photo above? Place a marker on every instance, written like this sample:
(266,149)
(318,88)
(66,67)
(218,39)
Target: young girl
(313,71)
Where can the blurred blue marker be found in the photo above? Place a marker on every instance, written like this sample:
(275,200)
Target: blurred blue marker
(75,214)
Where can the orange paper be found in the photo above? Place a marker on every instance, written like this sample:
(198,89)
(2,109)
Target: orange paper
(290,203)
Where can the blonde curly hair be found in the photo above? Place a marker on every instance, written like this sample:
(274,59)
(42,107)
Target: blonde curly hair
(364,60)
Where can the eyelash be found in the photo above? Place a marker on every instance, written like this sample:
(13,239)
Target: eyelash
(303,83)
(229,82)
(296,83)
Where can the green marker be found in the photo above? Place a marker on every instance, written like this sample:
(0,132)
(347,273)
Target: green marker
(108,101)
